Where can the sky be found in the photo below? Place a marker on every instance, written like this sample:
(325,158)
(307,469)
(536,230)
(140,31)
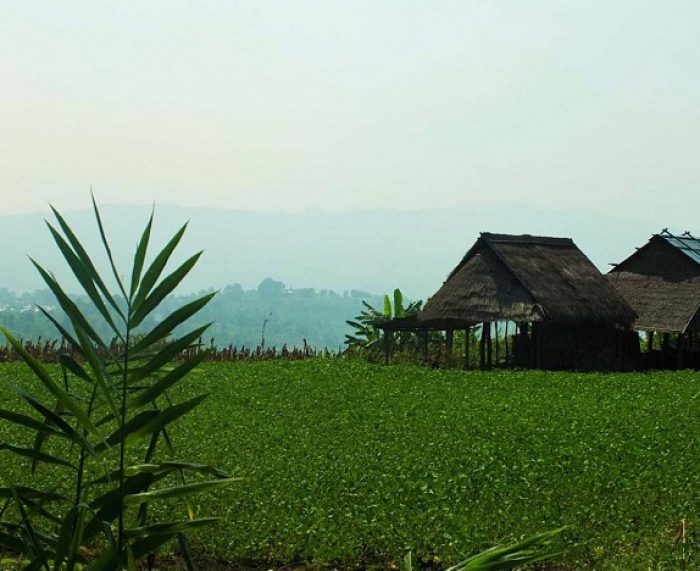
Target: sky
(296,106)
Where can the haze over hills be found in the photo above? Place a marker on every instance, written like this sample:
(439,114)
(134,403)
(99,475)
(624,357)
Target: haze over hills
(369,250)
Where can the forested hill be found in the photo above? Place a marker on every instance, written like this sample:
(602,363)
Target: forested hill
(292,315)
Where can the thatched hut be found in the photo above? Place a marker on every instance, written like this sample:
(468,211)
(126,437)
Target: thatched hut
(661,281)
(567,315)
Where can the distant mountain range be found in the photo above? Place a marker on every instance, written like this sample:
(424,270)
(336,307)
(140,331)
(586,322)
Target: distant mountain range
(370,250)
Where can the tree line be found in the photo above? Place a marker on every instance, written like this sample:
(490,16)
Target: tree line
(271,314)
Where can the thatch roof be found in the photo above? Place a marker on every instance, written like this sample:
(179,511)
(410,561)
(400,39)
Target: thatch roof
(661,281)
(527,278)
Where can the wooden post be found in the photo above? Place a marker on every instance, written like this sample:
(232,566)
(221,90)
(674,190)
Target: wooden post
(386,347)
(489,346)
(482,346)
(665,346)
(524,345)
(449,338)
(679,351)
(467,341)
(650,341)
(495,329)
(506,341)
(537,341)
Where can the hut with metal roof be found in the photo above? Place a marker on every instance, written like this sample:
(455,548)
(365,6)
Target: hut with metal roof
(567,315)
(661,281)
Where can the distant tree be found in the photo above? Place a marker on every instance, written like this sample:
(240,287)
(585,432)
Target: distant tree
(233,291)
(270,288)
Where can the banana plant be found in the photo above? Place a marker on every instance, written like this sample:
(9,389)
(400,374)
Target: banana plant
(101,408)
(367,336)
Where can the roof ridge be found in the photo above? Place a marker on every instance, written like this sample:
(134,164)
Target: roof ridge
(527,239)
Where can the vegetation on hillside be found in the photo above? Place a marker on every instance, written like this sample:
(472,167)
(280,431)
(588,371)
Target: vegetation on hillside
(318,316)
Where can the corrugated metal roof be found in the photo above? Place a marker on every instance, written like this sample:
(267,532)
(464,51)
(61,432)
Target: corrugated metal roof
(686,243)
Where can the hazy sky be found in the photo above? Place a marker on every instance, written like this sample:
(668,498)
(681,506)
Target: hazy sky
(336,105)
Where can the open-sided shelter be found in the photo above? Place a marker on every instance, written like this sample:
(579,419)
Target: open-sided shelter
(661,281)
(568,316)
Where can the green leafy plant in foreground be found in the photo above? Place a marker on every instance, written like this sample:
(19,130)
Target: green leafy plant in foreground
(89,419)
(533,549)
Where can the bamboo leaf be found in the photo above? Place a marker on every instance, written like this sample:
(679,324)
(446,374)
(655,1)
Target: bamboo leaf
(98,370)
(87,262)
(167,354)
(131,427)
(34,455)
(142,547)
(167,416)
(63,331)
(178,491)
(529,550)
(166,326)
(42,374)
(68,305)
(65,536)
(163,469)
(30,422)
(140,257)
(161,291)
(157,266)
(105,243)
(153,392)
(169,529)
(39,441)
(56,419)
(84,277)
(74,367)
(27,493)
(185,552)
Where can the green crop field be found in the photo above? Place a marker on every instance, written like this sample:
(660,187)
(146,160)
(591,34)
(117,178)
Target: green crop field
(350,463)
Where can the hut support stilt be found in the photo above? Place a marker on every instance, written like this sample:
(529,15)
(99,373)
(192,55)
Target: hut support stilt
(449,339)
(489,346)
(386,347)
(679,351)
(505,339)
(482,346)
(467,335)
(537,342)
(495,330)
(650,341)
